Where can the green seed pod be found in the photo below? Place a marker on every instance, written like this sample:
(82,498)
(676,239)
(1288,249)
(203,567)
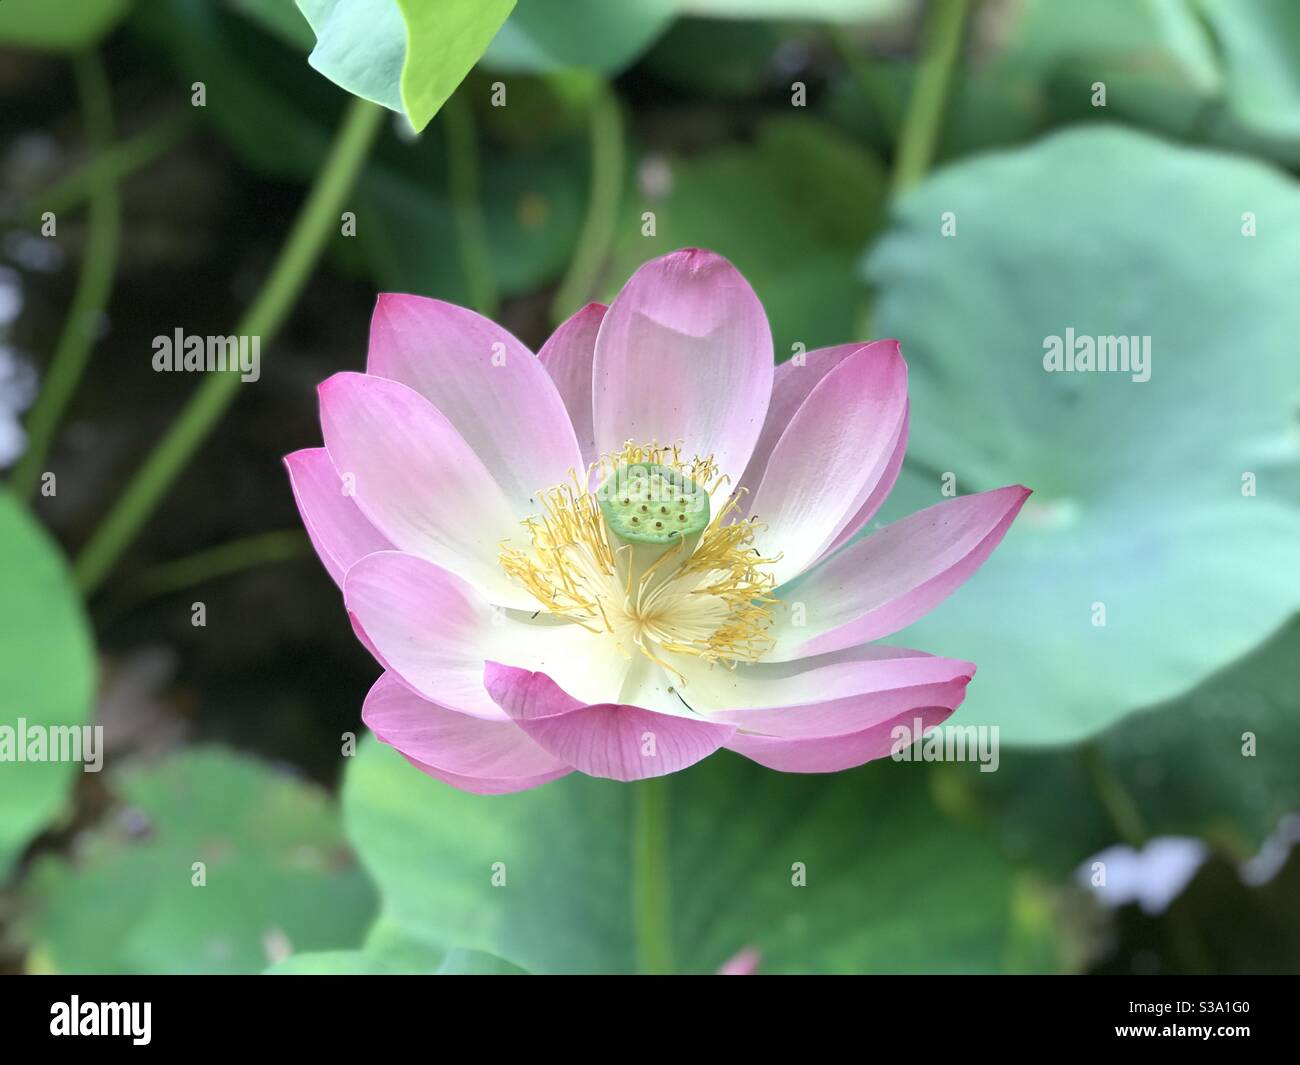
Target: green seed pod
(645,503)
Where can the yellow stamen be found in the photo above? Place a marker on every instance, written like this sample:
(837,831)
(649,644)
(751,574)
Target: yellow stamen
(710,599)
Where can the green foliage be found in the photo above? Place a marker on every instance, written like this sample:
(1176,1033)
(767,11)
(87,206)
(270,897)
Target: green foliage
(47,673)
(892,884)
(1178,716)
(531,200)
(389,951)
(831,10)
(694,57)
(1260,47)
(280,17)
(1218,763)
(278,874)
(792,212)
(267,106)
(407,55)
(270,110)
(61,27)
(1141,508)
(1154,57)
(546,35)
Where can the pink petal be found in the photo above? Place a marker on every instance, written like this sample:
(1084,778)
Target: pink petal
(490,387)
(886,581)
(567,357)
(831,458)
(684,356)
(338,530)
(433,631)
(602,740)
(417,480)
(831,754)
(743,964)
(791,385)
(425,626)
(484,757)
(831,695)
(878,494)
(486,785)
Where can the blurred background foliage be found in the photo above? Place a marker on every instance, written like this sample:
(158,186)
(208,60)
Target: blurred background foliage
(818,144)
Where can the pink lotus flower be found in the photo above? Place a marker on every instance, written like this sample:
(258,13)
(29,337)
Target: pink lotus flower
(583,559)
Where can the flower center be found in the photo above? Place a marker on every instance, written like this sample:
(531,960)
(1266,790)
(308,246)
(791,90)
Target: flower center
(646,560)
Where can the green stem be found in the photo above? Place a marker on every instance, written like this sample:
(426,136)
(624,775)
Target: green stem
(294,265)
(944,27)
(222,561)
(94,284)
(116,163)
(599,226)
(467,212)
(651,896)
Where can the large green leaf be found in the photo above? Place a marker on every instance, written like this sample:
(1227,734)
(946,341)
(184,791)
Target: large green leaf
(1147,52)
(47,672)
(792,212)
(532,207)
(367,963)
(65,26)
(1260,43)
(891,884)
(408,55)
(389,951)
(604,35)
(273,111)
(1039,67)
(1140,508)
(280,17)
(1218,764)
(740,61)
(360,46)
(278,875)
(277,116)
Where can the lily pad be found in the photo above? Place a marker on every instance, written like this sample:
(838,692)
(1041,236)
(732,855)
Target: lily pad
(1218,764)
(544,878)
(1163,541)
(1155,58)
(47,674)
(388,952)
(260,99)
(1260,45)
(408,56)
(1042,66)
(277,875)
(545,35)
(279,17)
